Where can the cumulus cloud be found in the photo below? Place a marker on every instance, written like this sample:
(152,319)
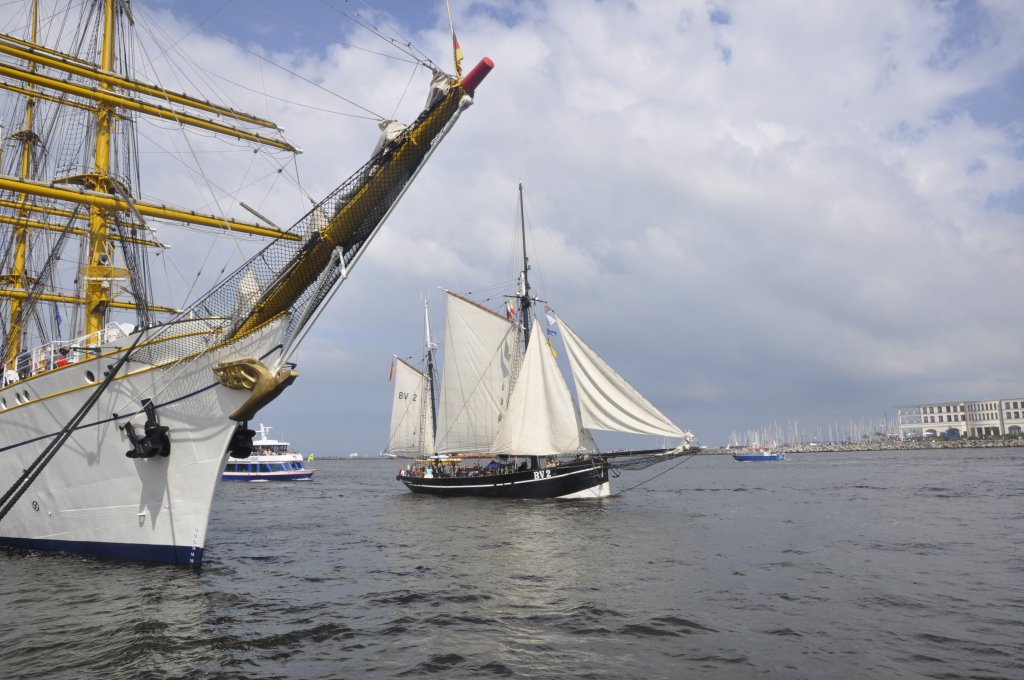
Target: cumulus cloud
(756,211)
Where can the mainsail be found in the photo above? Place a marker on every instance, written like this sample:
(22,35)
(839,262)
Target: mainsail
(607,401)
(412,423)
(481,355)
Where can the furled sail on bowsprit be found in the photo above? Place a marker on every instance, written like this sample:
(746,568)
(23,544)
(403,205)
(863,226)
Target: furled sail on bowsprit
(297,274)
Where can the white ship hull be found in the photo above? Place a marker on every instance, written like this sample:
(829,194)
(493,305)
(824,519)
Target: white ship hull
(91,498)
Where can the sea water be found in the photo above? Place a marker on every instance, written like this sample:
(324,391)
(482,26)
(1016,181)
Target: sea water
(852,565)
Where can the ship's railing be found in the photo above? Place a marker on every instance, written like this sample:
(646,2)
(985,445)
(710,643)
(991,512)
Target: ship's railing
(49,356)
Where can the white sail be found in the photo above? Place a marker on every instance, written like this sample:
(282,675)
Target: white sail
(481,353)
(540,419)
(412,423)
(587,442)
(607,401)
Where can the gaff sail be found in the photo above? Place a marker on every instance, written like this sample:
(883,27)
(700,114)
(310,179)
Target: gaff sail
(481,355)
(412,424)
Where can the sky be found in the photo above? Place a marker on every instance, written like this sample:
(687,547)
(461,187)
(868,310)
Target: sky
(757,212)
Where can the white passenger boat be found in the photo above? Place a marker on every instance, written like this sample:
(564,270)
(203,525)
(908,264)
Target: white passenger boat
(270,461)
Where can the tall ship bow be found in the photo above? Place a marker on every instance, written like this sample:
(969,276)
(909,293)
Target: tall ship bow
(114,434)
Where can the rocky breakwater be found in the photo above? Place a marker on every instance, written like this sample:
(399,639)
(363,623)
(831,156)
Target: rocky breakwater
(904,445)
(882,445)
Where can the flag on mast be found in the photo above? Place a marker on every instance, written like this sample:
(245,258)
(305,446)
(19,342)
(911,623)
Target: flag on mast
(458,55)
(456,49)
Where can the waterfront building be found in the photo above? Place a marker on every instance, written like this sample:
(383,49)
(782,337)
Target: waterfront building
(989,418)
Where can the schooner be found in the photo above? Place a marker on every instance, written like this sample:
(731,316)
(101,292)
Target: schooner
(507,424)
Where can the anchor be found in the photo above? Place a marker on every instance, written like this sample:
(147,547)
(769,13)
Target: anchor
(154,440)
(240,445)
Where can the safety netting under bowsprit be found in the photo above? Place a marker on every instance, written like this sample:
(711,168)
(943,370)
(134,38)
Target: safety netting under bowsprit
(639,460)
(294,276)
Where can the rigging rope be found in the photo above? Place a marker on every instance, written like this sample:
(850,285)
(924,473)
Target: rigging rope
(685,459)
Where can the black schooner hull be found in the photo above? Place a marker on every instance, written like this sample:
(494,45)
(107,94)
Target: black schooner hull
(584,479)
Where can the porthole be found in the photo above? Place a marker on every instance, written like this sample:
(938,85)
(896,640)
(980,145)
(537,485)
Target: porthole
(26,396)
(3,404)
(90,376)
(17,397)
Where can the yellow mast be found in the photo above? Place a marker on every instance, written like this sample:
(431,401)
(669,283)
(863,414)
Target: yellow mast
(16,278)
(99,271)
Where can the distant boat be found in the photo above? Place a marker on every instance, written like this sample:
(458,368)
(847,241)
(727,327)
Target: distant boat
(508,426)
(758,454)
(270,461)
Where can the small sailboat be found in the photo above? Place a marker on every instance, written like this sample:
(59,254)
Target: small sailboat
(507,424)
(116,426)
(271,460)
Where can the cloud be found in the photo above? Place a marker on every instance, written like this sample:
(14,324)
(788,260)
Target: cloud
(811,210)
(755,211)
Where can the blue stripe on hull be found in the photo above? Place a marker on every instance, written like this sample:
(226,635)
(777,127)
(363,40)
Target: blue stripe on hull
(166,554)
(268,478)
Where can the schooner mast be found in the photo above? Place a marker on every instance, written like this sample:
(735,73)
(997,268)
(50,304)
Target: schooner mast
(430,348)
(522,294)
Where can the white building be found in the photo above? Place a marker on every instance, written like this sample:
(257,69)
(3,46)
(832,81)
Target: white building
(990,418)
